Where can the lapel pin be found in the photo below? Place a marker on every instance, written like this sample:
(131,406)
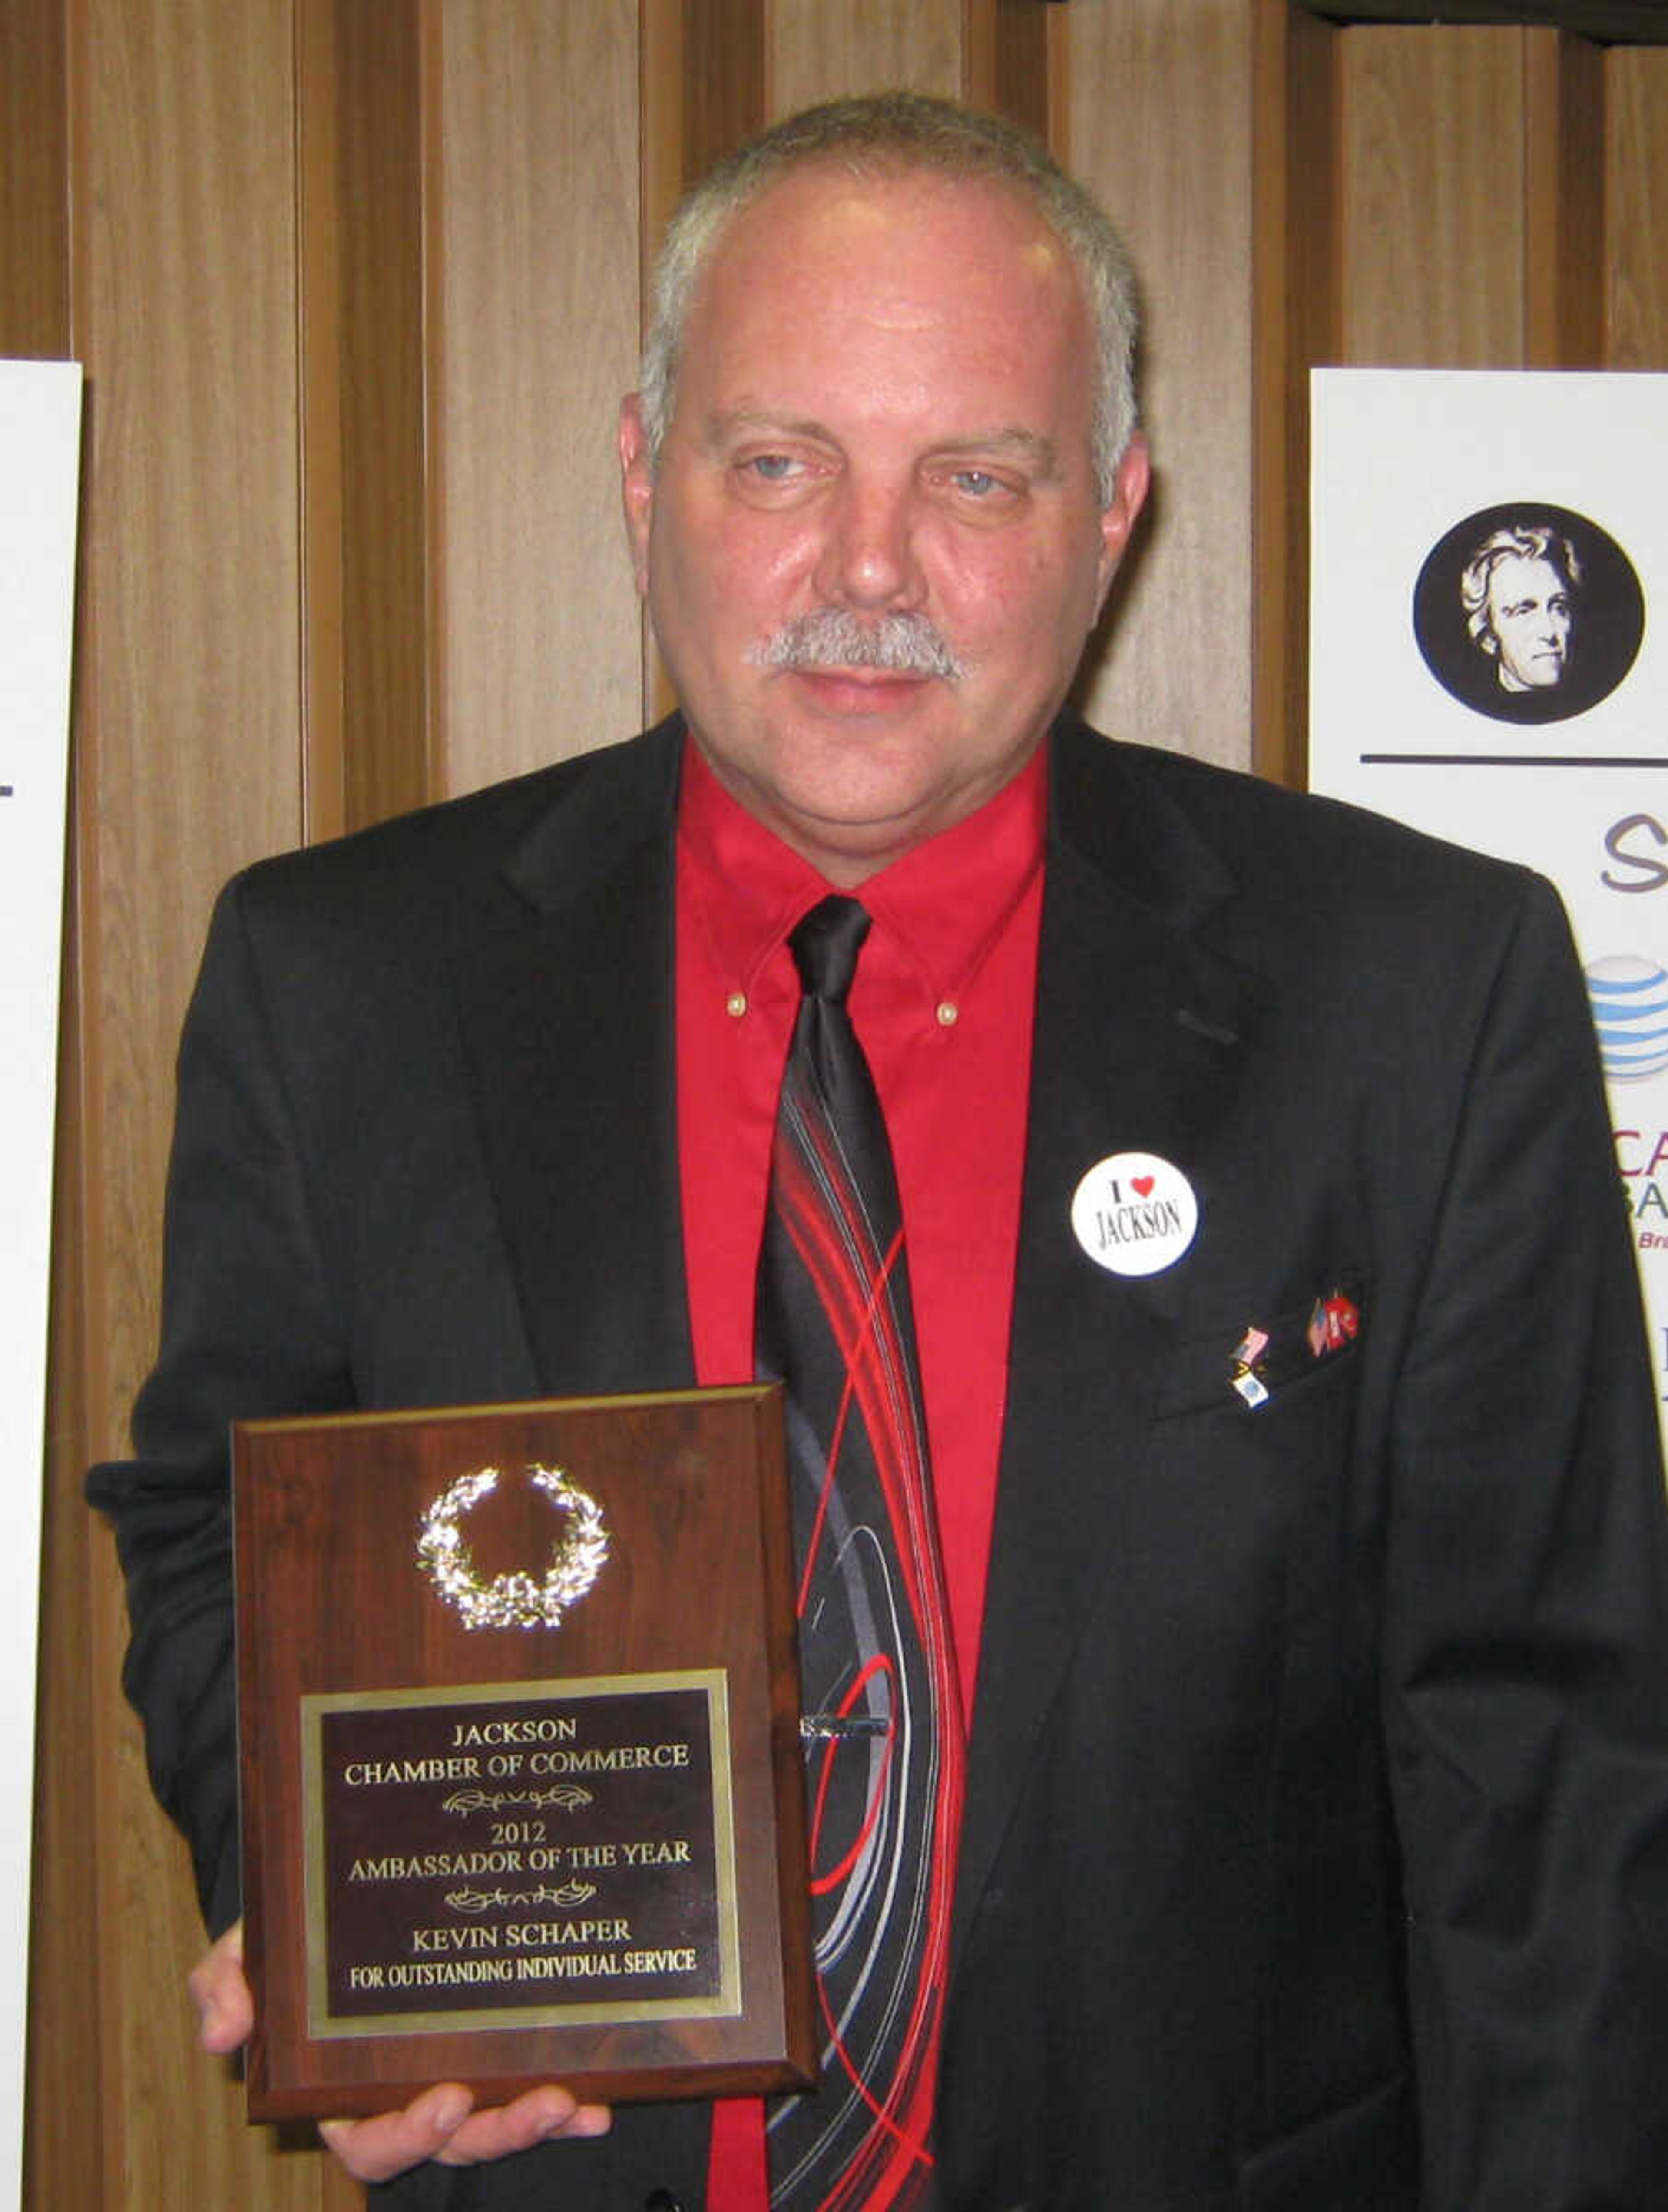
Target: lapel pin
(1334,1322)
(1134,1213)
(1243,1367)
(1251,1347)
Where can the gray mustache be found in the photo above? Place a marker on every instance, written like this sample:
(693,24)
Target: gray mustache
(830,637)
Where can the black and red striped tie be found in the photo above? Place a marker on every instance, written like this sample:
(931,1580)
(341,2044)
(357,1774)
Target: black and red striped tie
(883,1725)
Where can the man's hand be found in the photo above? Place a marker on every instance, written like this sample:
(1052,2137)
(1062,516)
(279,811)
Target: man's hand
(442,2123)
(225,2009)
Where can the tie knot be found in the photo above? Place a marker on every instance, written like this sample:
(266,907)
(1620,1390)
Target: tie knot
(825,944)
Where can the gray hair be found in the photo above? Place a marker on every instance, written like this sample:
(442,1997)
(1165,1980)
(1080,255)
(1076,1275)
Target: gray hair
(1522,541)
(895,133)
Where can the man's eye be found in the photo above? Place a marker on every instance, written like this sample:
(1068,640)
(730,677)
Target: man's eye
(771,468)
(977,487)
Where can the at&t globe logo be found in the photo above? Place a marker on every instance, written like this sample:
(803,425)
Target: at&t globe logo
(1629,997)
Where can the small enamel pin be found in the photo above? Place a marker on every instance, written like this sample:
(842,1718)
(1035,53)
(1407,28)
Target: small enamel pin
(1243,1367)
(1334,1322)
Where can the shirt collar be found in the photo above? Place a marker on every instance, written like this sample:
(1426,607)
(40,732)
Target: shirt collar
(944,902)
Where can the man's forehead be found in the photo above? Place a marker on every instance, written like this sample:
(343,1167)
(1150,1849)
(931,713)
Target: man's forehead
(917,259)
(869,211)
(1520,574)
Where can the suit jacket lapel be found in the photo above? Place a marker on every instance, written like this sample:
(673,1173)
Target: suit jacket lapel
(569,1030)
(1136,1046)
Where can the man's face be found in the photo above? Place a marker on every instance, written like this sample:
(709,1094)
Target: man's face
(1529,617)
(883,412)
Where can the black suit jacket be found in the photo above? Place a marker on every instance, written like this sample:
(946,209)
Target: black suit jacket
(1316,1846)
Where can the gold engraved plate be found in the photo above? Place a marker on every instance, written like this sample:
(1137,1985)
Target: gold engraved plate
(513,1853)
(515,1600)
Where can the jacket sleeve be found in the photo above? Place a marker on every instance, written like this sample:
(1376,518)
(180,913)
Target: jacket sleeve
(1526,1636)
(248,1330)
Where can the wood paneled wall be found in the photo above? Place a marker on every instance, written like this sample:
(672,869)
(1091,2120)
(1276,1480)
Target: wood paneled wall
(1160,127)
(1634,160)
(539,258)
(356,283)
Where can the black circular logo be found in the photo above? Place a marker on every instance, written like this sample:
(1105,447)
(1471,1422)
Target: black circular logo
(1528,612)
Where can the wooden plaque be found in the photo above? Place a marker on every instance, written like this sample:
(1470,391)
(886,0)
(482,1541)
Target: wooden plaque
(522,1785)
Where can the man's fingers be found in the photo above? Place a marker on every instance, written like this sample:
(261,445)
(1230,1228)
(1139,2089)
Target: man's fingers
(541,2116)
(377,2149)
(442,2124)
(225,2010)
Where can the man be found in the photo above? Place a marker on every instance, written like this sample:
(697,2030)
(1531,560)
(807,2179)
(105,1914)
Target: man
(1516,589)
(1293,1446)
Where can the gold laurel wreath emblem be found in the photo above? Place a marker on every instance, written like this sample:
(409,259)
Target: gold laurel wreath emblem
(513,1600)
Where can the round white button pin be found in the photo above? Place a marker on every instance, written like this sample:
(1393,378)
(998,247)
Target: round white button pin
(1134,1213)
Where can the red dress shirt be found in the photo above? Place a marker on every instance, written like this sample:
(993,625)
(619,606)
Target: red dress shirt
(942,1003)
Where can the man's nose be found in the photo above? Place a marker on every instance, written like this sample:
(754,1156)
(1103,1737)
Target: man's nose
(869,560)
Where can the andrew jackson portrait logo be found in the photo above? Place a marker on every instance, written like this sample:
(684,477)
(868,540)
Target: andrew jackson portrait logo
(1528,612)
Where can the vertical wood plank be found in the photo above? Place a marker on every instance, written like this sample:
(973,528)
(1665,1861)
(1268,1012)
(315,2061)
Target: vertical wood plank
(63,2157)
(665,165)
(702,93)
(1636,201)
(1563,189)
(1433,150)
(663,162)
(318,423)
(181,254)
(1010,50)
(384,581)
(34,204)
(724,79)
(820,49)
(536,334)
(1161,129)
(1296,278)
(364,515)
(434,195)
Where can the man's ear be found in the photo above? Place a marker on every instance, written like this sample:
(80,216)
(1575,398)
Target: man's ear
(636,486)
(1129,497)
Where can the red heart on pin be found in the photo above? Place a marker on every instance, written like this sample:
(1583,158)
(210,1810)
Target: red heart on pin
(1142,1184)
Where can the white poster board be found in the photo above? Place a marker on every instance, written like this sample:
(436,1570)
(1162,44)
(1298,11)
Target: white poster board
(40,445)
(1487,552)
